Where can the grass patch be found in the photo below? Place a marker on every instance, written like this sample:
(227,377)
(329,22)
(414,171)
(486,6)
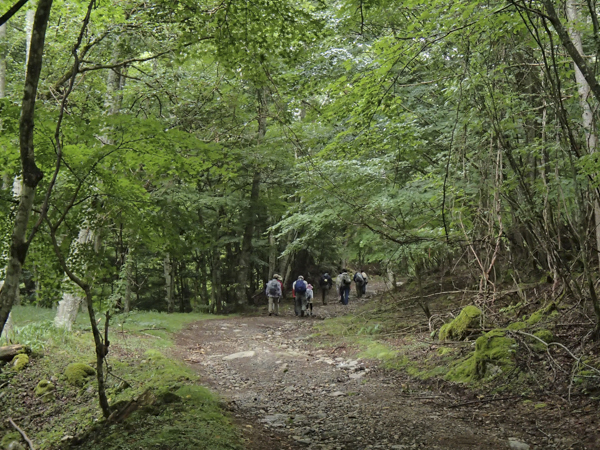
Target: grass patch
(181,415)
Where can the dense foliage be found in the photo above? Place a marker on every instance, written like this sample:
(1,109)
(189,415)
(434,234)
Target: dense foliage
(207,145)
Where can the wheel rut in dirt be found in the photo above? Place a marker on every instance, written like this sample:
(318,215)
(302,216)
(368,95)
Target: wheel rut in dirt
(288,394)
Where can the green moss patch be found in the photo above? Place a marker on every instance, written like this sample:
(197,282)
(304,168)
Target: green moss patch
(541,313)
(492,355)
(457,329)
(544,335)
(20,361)
(78,373)
(516,326)
(43,387)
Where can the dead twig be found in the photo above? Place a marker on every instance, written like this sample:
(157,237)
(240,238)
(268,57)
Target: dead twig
(25,437)
(489,400)
(152,329)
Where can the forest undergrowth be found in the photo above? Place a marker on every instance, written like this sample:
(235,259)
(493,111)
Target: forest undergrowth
(160,402)
(528,343)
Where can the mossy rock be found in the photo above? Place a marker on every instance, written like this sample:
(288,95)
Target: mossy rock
(78,373)
(544,335)
(457,329)
(45,390)
(541,313)
(516,326)
(19,362)
(11,440)
(493,353)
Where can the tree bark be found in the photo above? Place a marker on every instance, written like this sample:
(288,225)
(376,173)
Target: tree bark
(2,61)
(29,18)
(587,115)
(68,307)
(571,49)
(31,173)
(168,269)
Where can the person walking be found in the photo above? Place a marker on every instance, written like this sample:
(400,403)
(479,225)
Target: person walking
(309,299)
(299,289)
(366,278)
(359,282)
(325,283)
(274,294)
(343,283)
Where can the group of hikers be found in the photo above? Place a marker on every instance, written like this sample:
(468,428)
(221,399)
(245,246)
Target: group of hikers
(303,292)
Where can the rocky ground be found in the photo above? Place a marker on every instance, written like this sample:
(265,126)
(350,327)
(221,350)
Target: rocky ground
(288,393)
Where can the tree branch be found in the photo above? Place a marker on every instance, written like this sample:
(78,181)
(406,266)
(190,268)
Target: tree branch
(12,11)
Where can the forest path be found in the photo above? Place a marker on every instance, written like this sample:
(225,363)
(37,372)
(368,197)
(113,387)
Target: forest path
(288,394)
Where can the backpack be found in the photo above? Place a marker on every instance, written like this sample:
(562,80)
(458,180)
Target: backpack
(300,287)
(346,281)
(273,288)
(324,281)
(359,279)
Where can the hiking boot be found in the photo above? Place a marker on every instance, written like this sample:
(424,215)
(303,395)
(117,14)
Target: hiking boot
(270,314)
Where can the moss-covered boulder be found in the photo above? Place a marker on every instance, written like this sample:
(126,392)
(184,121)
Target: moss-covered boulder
(78,373)
(457,329)
(20,361)
(493,353)
(544,335)
(45,390)
(516,326)
(541,313)
(11,440)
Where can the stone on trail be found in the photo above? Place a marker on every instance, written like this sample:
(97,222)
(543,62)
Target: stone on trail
(356,375)
(516,445)
(336,394)
(247,354)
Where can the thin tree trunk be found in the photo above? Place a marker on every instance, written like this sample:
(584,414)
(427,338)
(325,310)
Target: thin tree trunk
(68,307)
(30,172)
(29,18)
(168,268)
(587,115)
(2,61)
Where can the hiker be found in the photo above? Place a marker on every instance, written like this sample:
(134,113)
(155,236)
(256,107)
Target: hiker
(274,294)
(359,281)
(309,299)
(325,283)
(366,278)
(343,283)
(299,293)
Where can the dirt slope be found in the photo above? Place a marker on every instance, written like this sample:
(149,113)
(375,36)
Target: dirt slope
(287,394)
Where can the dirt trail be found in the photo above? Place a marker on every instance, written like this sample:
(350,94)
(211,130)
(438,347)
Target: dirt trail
(287,394)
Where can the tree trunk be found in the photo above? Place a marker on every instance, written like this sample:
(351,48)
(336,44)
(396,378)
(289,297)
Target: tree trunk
(128,282)
(168,267)
(216,288)
(2,61)
(273,253)
(68,307)
(587,115)
(31,173)
(244,295)
(29,18)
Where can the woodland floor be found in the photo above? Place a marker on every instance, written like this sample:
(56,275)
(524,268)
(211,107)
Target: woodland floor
(297,391)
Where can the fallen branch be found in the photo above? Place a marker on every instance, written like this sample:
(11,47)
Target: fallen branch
(16,427)
(489,400)
(152,329)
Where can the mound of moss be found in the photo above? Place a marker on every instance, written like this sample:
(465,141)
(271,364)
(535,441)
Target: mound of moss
(457,329)
(20,361)
(11,440)
(544,335)
(45,389)
(541,313)
(493,353)
(78,373)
